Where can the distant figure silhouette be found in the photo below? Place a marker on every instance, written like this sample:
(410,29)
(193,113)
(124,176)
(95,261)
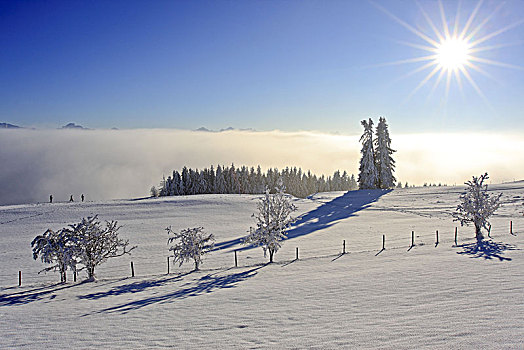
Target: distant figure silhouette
(82,197)
(71,198)
(51,199)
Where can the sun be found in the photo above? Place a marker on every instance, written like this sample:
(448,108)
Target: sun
(453,54)
(453,49)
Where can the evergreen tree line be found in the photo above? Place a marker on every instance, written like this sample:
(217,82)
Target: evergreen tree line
(244,180)
(376,164)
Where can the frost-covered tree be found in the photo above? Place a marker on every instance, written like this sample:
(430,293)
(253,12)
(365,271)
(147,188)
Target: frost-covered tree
(95,243)
(55,247)
(272,220)
(477,205)
(154,192)
(383,156)
(220,183)
(368,175)
(190,244)
(248,180)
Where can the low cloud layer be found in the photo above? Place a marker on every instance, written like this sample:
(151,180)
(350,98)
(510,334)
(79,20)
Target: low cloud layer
(106,164)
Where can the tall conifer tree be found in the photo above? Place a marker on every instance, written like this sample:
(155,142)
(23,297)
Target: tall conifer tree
(368,175)
(383,156)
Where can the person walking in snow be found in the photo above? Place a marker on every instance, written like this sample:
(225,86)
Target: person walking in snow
(71,198)
(82,196)
(51,198)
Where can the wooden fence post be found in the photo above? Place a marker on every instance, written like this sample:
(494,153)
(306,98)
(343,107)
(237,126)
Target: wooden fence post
(297,254)
(19,278)
(344,247)
(511,227)
(456,236)
(436,242)
(383,242)
(132,270)
(412,238)
(168,265)
(236,260)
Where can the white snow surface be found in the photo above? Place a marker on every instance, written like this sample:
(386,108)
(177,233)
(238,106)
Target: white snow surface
(426,297)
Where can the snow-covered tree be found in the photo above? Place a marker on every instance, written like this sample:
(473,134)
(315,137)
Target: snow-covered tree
(368,175)
(477,205)
(55,247)
(95,243)
(154,192)
(220,183)
(248,180)
(272,221)
(383,151)
(190,244)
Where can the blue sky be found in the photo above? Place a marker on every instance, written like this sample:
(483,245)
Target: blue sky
(288,65)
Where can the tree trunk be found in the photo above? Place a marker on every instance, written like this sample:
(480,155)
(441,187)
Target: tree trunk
(478,233)
(91,273)
(62,269)
(271,252)
(196,265)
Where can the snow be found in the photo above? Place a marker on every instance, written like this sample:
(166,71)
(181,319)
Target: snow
(427,297)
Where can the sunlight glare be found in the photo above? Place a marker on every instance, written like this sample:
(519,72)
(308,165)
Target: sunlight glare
(452,54)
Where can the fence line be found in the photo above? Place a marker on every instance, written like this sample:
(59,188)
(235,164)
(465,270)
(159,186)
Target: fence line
(220,259)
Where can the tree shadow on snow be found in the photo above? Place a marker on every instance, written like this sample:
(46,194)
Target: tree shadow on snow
(135,287)
(28,296)
(487,250)
(325,216)
(206,284)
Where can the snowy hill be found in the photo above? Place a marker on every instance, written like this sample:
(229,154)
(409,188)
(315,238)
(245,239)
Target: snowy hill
(430,296)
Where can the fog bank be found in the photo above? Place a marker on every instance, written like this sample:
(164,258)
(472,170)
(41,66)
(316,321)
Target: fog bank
(106,164)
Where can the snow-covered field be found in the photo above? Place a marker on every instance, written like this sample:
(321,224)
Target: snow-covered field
(426,297)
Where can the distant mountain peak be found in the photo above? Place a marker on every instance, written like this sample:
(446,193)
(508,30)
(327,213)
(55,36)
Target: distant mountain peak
(230,128)
(73,126)
(8,126)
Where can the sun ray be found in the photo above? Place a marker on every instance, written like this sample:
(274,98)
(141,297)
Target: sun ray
(477,89)
(472,82)
(483,23)
(424,81)
(495,47)
(412,72)
(495,63)
(498,32)
(470,20)
(457,19)
(444,22)
(436,84)
(415,71)
(481,71)
(430,22)
(405,25)
(456,72)
(448,84)
(417,46)
(409,60)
